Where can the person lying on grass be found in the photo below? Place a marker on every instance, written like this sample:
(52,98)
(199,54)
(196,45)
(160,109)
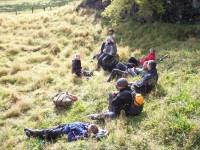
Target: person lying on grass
(122,70)
(74,131)
(148,82)
(118,101)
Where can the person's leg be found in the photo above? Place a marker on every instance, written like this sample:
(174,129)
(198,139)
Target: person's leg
(102,116)
(59,126)
(112,75)
(102,47)
(78,74)
(53,134)
(112,65)
(109,114)
(116,72)
(134,61)
(105,61)
(101,58)
(121,67)
(110,97)
(34,133)
(49,134)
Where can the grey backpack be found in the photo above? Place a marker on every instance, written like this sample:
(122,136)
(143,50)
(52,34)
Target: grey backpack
(62,99)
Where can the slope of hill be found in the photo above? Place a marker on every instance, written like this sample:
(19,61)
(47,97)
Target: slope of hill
(36,52)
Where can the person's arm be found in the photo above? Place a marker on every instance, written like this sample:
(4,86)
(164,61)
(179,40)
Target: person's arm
(73,67)
(118,99)
(73,137)
(105,48)
(81,65)
(143,81)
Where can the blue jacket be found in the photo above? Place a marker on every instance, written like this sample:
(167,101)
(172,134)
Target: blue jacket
(76,130)
(147,83)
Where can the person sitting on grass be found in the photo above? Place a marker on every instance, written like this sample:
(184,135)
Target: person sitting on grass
(122,70)
(74,131)
(148,82)
(113,40)
(134,62)
(109,52)
(76,65)
(117,101)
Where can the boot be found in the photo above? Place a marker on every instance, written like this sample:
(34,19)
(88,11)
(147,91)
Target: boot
(95,117)
(109,79)
(34,133)
(27,132)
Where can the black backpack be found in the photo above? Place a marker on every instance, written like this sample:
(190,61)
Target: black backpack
(135,108)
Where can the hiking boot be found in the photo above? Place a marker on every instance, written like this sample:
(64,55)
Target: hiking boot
(94,116)
(27,132)
(109,80)
(99,117)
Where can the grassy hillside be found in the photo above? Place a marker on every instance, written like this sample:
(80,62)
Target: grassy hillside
(36,52)
(26,5)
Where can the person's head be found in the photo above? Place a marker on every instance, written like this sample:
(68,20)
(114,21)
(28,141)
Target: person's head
(74,98)
(78,56)
(121,83)
(145,65)
(151,65)
(152,50)
(92,128)
(108,39)
(110,31)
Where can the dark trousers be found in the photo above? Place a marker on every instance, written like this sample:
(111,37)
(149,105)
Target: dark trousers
(103,61)
(134,62)
(120,70)
(78,74)
(102,47)
(49,134)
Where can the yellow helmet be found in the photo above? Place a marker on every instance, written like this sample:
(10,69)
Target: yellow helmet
(139,100)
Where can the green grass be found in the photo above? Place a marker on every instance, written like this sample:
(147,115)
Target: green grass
(36,52)
(26,5)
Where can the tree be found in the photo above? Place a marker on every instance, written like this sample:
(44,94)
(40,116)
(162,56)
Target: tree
(149,10)
(142,8)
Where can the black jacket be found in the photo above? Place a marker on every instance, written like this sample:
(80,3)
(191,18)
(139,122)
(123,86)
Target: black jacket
(121,99)
(76,66)
(147,83)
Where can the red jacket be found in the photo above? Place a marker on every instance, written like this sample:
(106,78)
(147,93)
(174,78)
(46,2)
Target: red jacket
(150,56)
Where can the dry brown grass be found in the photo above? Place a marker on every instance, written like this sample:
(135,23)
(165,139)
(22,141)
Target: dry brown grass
(14,111)
(14,97)
(4,71)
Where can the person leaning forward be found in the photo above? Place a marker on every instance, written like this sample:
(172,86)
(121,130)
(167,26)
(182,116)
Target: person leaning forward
(116,101)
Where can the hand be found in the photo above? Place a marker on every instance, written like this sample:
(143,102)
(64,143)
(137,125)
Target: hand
(114,93)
